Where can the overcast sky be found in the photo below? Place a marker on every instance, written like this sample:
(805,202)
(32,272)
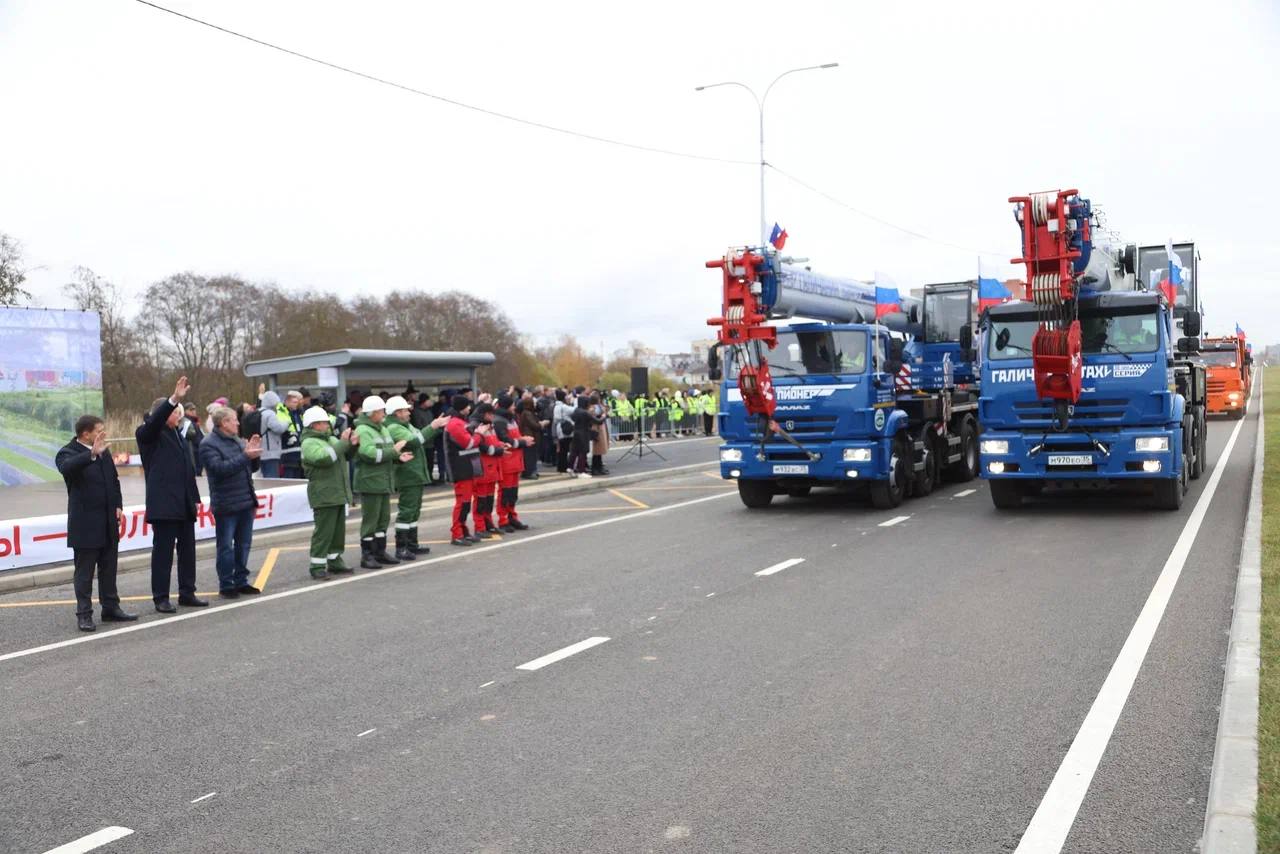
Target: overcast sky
(140,144)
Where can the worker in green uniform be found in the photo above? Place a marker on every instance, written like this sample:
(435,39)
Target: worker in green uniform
(324,461)
(411,474)
(375,460)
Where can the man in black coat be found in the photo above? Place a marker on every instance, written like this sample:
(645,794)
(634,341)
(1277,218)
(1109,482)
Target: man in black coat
(94,507)
(172,498)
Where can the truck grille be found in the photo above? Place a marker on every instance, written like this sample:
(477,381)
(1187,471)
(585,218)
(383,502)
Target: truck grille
(803,427)
(1088,413)
(1217,386)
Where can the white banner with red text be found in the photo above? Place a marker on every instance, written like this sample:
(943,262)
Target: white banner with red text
(43,539)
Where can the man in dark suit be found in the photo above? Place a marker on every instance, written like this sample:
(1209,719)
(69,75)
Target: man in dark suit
(172,497)
(94,507)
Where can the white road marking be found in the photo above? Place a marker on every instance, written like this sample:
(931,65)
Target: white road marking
(889,523)
(204,797)
(962,493)
(560,654)
(487,684)
(778,567)
(1047,832)
(709,595)
(351,579)
(92,841)
(366,732)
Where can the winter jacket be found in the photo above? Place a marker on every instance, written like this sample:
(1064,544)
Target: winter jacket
(230,473)
(414,472)
(324,461)
(461,450)
(561,413)
(172,494)
(273,429)
(491,451)
(375,458)
(507,431)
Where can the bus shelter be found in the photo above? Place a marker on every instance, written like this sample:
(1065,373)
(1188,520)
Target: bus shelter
(341,369)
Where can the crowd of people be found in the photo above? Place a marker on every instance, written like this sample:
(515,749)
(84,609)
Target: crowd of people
(359,451)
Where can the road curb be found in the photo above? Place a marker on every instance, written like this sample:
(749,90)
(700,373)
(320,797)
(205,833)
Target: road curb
(1233,785)
(529,494)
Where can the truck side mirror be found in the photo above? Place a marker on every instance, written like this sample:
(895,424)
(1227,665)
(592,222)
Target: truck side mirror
(714,373)
(1191,324)
(966,336)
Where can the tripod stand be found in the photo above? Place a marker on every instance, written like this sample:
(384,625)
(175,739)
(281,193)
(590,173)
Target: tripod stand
(641,445)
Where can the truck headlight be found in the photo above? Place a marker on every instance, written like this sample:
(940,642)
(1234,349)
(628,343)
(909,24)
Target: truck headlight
(1235,395)
(1147,444)
(995,468)
(995,446)
(857,455)
(730,455)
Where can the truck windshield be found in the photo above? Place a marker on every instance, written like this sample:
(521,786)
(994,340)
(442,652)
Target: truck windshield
(1113,330)
(1219,357)
(944,314)
(839,351)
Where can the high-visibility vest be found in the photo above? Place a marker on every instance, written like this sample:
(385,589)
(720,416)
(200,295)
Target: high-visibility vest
(712,403)
(624,408)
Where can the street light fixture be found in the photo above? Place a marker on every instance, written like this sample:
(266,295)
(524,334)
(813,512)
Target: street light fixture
(760,101)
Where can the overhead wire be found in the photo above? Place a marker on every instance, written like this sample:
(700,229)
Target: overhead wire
(444,99)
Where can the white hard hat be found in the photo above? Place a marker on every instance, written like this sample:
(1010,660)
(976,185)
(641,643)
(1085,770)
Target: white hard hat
(372,404)
(314,414)
(395,404)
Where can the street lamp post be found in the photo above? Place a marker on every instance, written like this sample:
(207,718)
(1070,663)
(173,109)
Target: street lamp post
(760,101)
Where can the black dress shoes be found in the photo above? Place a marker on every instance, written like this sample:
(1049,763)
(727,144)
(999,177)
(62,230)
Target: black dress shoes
(117,615)
(229,593)
(164,606)
(193,602)
(84,622)
(247,590)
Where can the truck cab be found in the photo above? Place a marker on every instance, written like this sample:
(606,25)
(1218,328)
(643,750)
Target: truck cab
(1139,417)
(1227,364)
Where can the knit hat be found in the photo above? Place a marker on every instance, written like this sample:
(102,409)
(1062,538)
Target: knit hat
(482,409)
(504,401)
(373,404)
(314,414)
(459,403)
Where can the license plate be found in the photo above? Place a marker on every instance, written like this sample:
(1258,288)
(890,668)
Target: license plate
(790,469)
(1070,460)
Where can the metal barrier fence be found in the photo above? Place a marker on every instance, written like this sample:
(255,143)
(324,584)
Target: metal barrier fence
(658,426)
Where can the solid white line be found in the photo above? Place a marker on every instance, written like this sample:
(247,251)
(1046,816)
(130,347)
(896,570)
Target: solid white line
(366,732)
(1047,832)
(204,797)
(559,654)
(92,841)
(962,493)
(351,579)
(889,523)
(778,567)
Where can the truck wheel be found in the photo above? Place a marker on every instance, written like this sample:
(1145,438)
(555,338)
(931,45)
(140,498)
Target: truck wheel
(1202,449)
(924,480)
(1005,494)
(887,494)
(966,468)
(1169,491)
(755,493)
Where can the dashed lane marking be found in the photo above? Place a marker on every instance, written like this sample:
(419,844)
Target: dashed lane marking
(561,654)
(366,732)
(92,841)
(889,523)
(962,493)
(778,567)
(203,798)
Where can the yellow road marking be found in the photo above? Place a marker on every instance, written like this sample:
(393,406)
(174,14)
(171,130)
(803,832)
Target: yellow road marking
(630,500)
(574,510)
(267,565)
(712,475)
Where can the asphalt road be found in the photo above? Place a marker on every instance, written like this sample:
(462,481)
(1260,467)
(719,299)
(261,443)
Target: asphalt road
(910,685)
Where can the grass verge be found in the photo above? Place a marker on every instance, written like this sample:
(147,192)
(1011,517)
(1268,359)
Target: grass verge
(1268,816)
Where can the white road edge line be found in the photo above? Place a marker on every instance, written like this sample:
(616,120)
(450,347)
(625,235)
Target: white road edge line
(366,732)
(889,523)
(962,493)
(560,654)
(351,579)
(778,567)
(92,841)
(203,797)
(1047,832)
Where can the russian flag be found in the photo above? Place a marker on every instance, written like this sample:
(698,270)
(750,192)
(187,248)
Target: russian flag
(779,237)
(887,299)
(990,291)
(1239,331)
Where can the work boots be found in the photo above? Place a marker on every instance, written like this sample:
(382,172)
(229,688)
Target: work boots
(367,559)
(380,551)
(413,543)
(403,552)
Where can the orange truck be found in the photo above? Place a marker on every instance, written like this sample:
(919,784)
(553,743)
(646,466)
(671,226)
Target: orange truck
(1227,365)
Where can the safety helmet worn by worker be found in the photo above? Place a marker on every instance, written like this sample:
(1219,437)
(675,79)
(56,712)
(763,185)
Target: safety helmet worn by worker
(372,404)
(313,415)
(396,403)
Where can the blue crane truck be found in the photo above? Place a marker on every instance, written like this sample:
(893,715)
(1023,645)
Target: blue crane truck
(882,406)
(1138,418)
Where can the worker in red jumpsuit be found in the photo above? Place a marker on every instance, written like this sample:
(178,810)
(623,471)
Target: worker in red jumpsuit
(506,428)
(462,466)
(491,453)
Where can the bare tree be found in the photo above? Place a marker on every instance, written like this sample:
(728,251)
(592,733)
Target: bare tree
(12,272)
